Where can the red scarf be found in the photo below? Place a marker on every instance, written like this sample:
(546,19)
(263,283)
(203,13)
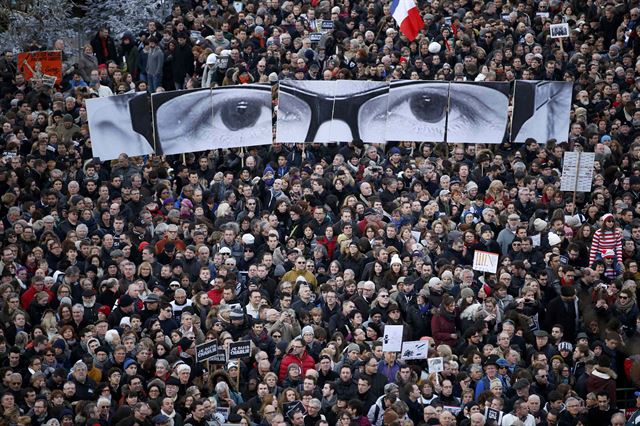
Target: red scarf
(105,49)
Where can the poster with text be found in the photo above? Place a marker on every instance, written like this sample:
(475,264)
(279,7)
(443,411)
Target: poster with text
(41,65)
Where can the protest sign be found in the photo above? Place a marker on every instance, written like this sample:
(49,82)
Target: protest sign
(206,351)
(493,416)
(559,30)
(41,65)
(392,341)
(238,350)
(485,261)
(290,408)
(418,349)
(436,365)
(577,171)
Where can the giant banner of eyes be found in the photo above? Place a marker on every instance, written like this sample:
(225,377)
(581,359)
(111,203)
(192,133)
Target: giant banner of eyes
(541,110)
(202,119)
(120,124)
(331,111)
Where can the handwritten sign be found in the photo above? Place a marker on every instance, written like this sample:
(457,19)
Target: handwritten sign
(485,261)
(392,339)
(577,171)
(418,349)
(41,65)
(206,351)
(238,350)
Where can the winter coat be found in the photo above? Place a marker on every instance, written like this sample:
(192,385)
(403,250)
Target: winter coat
(305,361)
(603,379)
(442,329)
(111,54)
(264,342)
(557,313)
(182,64)
(86,64)
(155,61)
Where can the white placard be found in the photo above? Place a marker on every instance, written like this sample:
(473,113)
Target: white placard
(418,349)
(485,261)
(436,365)
(577,171)
(392,341)
(559,30)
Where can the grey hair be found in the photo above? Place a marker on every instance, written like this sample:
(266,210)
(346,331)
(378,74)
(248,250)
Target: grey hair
(222,387)
(161,228)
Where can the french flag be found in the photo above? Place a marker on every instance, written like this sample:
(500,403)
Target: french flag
(408,17)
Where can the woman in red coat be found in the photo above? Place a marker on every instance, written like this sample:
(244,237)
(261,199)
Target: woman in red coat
(443,323)
(296,354)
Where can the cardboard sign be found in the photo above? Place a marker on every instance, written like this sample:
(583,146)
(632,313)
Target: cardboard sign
(206,351)
(493,415)
(577,171)
(559,30)
(392,341)
(485,261)
(436,365)
(41,65)
(290,408)
(238,350)
(326,25)
(315,37)
(418,349)
(219,358)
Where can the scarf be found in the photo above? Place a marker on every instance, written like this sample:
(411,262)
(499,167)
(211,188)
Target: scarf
(449,316)
(625,309)
(105,49)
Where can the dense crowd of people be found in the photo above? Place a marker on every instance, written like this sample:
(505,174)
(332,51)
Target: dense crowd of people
(112,273)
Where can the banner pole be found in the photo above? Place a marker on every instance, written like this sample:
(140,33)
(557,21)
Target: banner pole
(575,184)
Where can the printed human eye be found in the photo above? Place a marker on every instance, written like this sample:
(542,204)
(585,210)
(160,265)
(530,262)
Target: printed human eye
(477,113)
(294,118)
(233,117)
(417,111)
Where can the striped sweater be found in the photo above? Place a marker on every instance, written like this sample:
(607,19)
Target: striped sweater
(603,241)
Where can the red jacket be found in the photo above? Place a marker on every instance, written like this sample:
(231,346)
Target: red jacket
(305,361)
(442,329)
(215,296)
(30,294)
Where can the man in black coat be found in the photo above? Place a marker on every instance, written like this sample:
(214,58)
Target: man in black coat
(565,310)
(182,65)
(104,47)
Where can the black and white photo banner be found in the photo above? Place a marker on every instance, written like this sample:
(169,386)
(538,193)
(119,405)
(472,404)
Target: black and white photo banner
(223,117)
(541,110)
(120,124)
(184,121)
